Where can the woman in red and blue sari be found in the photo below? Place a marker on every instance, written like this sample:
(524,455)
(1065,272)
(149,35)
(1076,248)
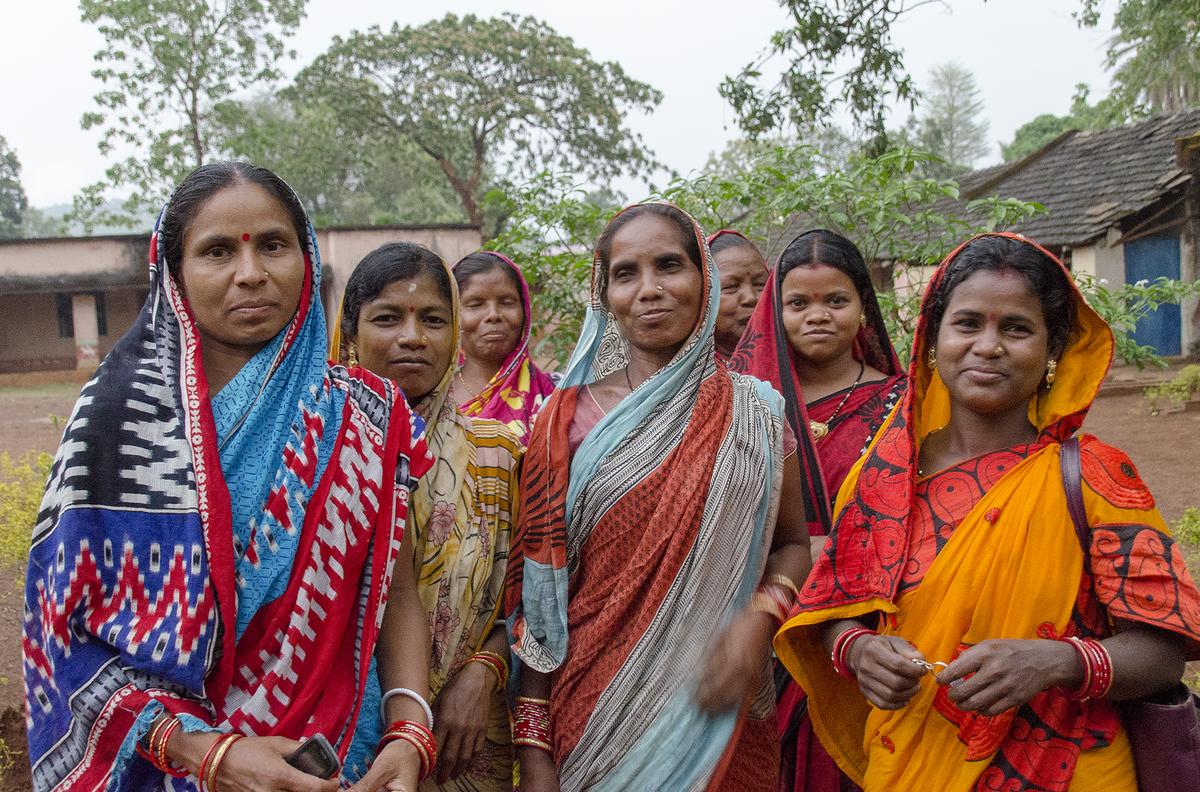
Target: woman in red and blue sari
(818,336)
(218,537)
(652,543)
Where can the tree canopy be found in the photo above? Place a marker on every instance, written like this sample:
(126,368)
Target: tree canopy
(344,176)
(951,125)
(840,54)
(165,65)
(485,96)
(1154,53)
(13,204)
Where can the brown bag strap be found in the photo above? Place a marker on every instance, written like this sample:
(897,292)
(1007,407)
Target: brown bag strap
(1072,474)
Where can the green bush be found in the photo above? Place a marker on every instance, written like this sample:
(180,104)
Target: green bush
(21,485)
(1180,388)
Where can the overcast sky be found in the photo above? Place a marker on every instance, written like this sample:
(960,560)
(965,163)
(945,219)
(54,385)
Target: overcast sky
(1027,56)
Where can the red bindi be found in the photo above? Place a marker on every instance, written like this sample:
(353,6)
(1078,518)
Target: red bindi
(245,237)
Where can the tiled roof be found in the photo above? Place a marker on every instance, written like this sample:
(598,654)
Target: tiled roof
(1086,180)
(1089,180)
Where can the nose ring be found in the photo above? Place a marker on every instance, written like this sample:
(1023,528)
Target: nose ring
(659,288)
(828,315)
(999,350)
(266,274)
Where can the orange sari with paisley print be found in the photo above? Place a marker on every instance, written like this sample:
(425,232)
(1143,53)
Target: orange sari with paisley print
(986,549)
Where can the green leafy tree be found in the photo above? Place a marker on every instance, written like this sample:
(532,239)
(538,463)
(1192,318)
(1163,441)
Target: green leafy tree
(13,204)
(951,124)
(1034,134)
(343,175)
(840,54)
(883,203)
(1154,53)
(165,66)
(485,96)
(554,222)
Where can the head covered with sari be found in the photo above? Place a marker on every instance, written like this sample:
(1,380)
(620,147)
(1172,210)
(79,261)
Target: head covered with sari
(742,270)
(765,352)
(987,550)
(222,557)
(519,388)
(632,552)
(461,509)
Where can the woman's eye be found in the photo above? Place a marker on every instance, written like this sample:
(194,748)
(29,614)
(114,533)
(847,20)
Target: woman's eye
(839,300)
(434,321)
(274,246)
(216,253)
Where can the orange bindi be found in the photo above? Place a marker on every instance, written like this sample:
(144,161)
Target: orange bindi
(245,237)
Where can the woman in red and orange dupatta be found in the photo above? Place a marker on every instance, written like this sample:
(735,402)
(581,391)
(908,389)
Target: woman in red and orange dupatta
(743,272)
(953,552)
(819,333)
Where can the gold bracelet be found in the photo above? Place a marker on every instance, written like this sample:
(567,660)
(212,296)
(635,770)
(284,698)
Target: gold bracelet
(784,581)
(531,700)
(211,781)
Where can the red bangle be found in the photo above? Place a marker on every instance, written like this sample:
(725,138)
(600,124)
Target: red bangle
(531,723)
(841,649)
(417,735)
(212,760)
(497,664)
(160,759)
(1097,669)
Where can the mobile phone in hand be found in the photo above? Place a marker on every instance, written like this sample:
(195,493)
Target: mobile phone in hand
(315,757)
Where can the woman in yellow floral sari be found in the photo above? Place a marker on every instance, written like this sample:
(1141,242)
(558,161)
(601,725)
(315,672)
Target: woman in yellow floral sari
(400,319)
(953,552)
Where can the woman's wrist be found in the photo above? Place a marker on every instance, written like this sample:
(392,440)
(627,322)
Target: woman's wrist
(187,749)
(1068,668)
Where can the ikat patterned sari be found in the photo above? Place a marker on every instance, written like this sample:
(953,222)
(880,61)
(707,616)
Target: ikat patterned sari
(987,550)
(633,553)
(223,558)
(517,392)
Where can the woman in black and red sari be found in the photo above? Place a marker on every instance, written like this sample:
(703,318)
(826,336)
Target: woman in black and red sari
(818,336)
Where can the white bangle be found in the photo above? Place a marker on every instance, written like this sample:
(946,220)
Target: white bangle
(412,694)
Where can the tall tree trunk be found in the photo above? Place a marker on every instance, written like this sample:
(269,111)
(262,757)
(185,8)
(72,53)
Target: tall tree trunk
(463,190)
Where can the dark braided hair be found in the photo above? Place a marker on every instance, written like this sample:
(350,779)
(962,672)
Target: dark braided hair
(383,266)
(996,254)
(687,236)
(480,262)
(205,182)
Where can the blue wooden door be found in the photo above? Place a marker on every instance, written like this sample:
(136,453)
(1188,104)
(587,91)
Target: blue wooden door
(1146,259)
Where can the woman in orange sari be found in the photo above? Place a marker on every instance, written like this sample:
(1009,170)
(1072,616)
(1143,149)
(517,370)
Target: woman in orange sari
(953,552)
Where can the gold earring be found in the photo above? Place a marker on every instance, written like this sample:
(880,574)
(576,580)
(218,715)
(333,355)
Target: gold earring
(932,358)
(1051,372)
(862,320)
(352,356)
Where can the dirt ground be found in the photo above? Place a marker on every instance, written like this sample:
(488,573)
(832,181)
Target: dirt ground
(33,408)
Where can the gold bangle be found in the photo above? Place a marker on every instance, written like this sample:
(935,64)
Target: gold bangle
(218,757)
(784,581)
(500,680)
(532,743)
(531,700)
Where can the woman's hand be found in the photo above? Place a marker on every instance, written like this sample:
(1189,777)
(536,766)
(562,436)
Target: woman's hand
(255,764)
(1006,673)
(736,663)
(538,773)
(461,718)
(395,769)
(884,668)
